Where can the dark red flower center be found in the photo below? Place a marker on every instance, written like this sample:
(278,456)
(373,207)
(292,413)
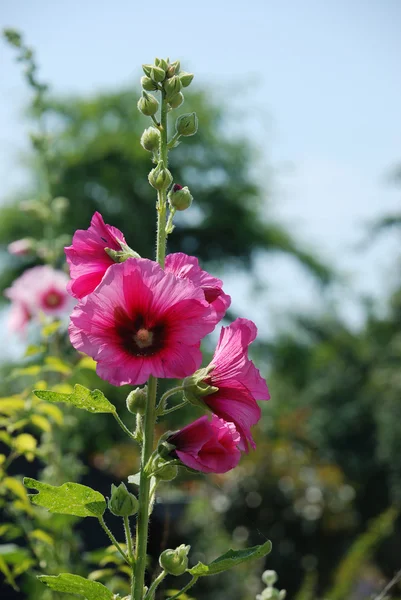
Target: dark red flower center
(53,299)
(211,294)
(138,338)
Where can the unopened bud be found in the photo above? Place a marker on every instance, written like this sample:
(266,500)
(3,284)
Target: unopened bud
(180,197)
(173,69)
(175,562)
(136,400)
(187,124)
(13,37)
(157,74)
(176,100)
(172,86)
(148,84)
(160,177)
(122,503)
(269,577)
(161,63)
(148,104)
(186,78)
(150,139)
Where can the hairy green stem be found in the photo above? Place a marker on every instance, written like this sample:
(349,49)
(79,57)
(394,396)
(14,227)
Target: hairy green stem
(123,427)
(173,408)
(166,395)
(150,413)
(155,584)
(113,540)
(185,589)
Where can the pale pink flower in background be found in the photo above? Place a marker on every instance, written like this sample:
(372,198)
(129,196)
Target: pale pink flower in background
(187,267)
(20,247)
(142,321)
(238,381)
(41,289)
(207,446)
(87,258)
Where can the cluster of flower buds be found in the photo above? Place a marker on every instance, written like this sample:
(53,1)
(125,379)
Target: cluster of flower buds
(269,578)
(163,76)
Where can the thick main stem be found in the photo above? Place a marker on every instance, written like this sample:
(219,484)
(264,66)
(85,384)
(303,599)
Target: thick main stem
(150,413)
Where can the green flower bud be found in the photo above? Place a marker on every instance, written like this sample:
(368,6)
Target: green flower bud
(176,100)
(187,124)
(122,255)
(161,63)
(148,84)
(157,74)
(269,577)
(180,197)
(150,139)
(196,387)
(160,177)
(186,78)
(122,503)
(173,69)
(172,87)
(147,69)
(175,562)
(136,400)
(148,104)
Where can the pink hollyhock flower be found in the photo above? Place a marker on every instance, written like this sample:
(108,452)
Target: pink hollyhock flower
(142,321)
(87,257)
(20,247)
(40,289)
(187,267)
(207,446)
(238,382)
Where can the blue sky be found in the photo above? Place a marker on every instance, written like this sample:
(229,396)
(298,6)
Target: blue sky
(321,81)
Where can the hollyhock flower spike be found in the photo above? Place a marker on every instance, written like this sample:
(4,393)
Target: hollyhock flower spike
(87,256)
(142,321)
(187,267)
(231,384)
(207,446)
(40,289)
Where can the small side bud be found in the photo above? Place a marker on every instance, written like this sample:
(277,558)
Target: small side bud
(180,197)
(269,577)
(160,178)
(148,84)
(187,124)
(157,74)
(177,100)
(150,139)
(173,69)
(122,503)
(136,400)
(186,78)
(147,69)
(148,104)
(175,562)
(172,87)
(166,472)
(196,386)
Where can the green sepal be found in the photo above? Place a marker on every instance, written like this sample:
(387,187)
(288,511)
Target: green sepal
(196,388)
(230,559)
(68,499)
(74,584)
(92,401)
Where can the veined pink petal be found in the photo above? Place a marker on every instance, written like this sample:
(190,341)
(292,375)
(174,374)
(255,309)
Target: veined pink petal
(87,257)
(187,267)
(142,321)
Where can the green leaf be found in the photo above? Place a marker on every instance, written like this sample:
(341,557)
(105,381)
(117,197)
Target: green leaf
(230,559)
(68,499)
(92,401)
(73,584)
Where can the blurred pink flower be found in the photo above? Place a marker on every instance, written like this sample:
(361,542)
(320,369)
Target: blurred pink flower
(87,257)
(207,446)
(20,247)
(238,381)
(141,321)
(40,289)
(187,267)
